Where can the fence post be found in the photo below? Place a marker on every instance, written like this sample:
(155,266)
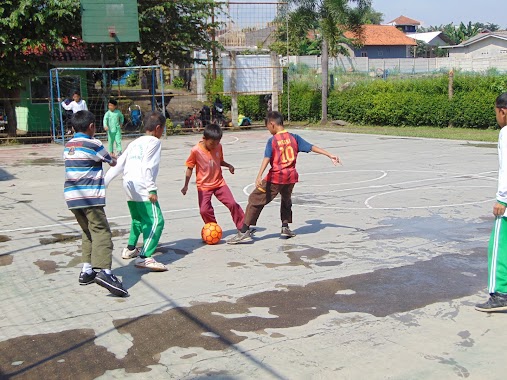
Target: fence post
(451,90)
(234,93)
(274,81)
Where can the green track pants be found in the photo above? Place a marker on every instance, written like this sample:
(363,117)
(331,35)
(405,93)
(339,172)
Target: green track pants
(497,257)
(147,219)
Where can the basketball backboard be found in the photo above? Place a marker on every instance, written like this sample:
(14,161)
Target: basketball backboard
(110,21)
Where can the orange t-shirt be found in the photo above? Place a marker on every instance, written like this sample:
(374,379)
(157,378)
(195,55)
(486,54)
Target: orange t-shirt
(208,171)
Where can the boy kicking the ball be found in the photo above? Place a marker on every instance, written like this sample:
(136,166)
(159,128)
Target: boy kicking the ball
(281,152)
(139,165)
(208,158)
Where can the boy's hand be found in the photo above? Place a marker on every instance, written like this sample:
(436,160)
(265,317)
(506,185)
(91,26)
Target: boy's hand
(335,160)
(258,182)
(184,190)
(59,100)
(153,198)
(498,209)
(113,163)
(231,169)
(106,128)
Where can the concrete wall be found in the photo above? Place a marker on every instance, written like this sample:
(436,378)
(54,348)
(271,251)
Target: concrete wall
(487,48)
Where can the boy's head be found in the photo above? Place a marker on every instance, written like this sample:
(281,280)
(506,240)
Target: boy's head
(274,122)
(154,123)
(112,105)
(501,110)
(212,135)
(84,122)
(76,96)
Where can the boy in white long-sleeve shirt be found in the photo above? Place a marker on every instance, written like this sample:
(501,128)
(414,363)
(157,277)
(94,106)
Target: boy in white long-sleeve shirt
(76,105)
(139,165)
(497,250)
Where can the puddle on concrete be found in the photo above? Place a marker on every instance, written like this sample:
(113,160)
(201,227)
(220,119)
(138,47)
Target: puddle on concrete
(5,260)
(328,263)
(4,238)
(45,161)
(59,238)
(25,201)
(299,255)
(485,145)
(432,228)
(47,266)
(235,264)
(380,293)
(117,233)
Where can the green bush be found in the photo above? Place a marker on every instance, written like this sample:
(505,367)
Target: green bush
(305,102)
(473,109)
(178,82)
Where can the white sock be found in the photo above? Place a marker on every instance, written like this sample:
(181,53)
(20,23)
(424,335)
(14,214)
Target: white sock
(108,271)
(87,267)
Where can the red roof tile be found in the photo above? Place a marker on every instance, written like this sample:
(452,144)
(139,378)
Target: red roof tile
(404,20)
(382,35)
(74,50)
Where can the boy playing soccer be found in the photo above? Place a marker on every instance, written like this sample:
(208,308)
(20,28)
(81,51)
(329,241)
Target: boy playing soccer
(139,165)
(85,195)
(113,120)
(208,158)
(281,152)
(497,250)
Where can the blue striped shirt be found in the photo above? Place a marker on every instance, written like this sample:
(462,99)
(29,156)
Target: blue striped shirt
(84,176)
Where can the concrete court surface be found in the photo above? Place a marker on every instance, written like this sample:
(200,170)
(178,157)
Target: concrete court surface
(379,283)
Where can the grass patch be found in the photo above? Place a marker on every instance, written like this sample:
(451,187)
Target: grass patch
(469,134)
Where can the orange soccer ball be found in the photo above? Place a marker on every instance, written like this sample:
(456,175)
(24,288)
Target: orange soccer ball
(211,233)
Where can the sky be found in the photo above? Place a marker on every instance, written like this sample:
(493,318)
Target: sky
(438,12)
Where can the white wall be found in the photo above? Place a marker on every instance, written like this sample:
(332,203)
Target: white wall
(487,48)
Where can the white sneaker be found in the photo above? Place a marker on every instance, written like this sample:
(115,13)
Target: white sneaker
(151,264)
(128,254)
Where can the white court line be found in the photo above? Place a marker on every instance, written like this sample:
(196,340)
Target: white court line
(367,201)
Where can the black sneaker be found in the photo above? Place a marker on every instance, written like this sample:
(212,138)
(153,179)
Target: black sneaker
(86,279)
(496,302)
(286,232)
(111,283)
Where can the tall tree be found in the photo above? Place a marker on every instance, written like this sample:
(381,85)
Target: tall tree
(334,17)
(29,31)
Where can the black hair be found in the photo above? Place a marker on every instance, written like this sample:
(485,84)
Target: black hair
(501,101)
(81,120)
(113,102)
(152,119)
(212,132)
(76,92)
(274,116)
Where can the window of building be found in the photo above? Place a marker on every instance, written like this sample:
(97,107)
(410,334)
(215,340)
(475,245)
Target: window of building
(380,53)
(364,54)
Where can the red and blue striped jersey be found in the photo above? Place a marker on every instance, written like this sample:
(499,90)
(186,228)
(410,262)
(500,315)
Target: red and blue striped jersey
(282,150)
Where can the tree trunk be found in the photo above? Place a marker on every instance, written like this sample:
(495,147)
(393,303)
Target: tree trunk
(8,101)
(325,68)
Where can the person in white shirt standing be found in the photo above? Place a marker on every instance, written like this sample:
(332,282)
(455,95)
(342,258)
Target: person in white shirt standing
(139,165)
(497,249)
(76,105)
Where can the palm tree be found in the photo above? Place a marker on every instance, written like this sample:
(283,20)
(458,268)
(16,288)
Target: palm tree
(333,18)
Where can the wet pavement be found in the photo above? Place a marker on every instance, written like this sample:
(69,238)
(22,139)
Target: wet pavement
(380,282)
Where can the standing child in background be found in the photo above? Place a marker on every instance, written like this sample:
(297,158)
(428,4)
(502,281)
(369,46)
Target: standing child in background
(139,165)
(497,250)
(76,105)
(85,195)
(281,152)
(208,158)
(113,120)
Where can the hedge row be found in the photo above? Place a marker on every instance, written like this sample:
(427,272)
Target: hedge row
(420,102)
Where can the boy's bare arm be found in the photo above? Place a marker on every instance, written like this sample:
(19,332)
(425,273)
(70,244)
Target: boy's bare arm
(227,165)
(264,165)
(188,174)
(335,159)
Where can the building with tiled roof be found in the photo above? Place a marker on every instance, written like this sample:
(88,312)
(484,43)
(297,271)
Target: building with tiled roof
(405,24)
(483,45)
(381,41)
